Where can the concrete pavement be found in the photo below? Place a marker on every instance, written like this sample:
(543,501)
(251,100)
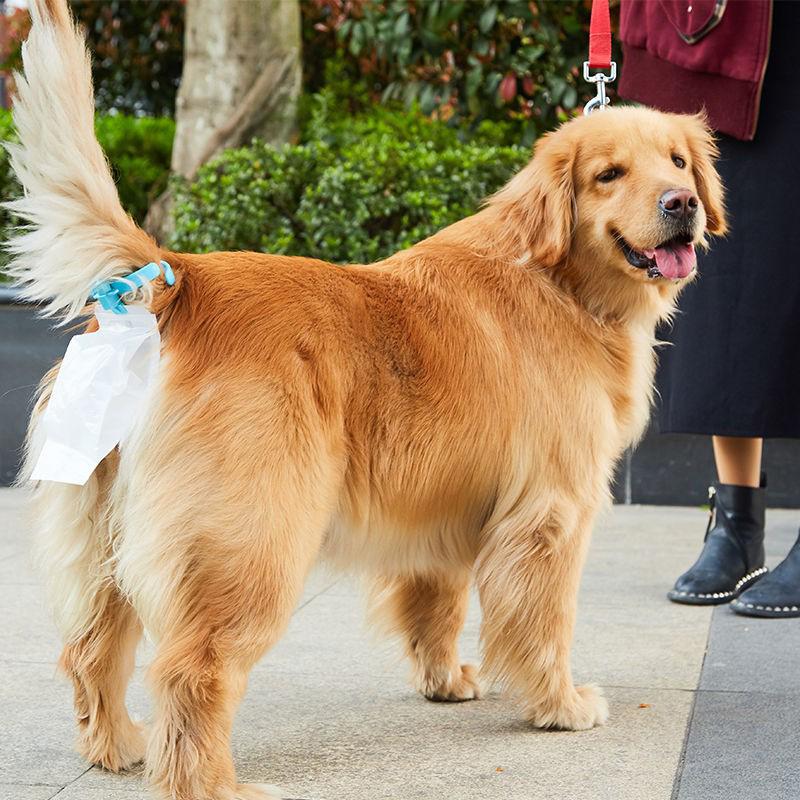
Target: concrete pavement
(330,716)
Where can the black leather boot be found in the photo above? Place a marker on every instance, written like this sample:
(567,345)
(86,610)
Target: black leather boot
(732,558)
(776,594)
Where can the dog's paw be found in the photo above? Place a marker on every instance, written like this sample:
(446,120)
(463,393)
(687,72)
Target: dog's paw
(258,791)
(455,688)
(117,751)
(585,708)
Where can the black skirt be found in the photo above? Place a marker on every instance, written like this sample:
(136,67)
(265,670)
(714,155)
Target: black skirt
(733,366)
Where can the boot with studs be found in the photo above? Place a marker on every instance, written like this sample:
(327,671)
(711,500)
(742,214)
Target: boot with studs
(777,594)
(732,558)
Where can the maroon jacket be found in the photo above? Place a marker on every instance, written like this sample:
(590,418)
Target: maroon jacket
(690,55)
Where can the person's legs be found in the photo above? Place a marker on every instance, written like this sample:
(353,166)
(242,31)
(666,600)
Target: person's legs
(777,594)
(732,558)
(738,460)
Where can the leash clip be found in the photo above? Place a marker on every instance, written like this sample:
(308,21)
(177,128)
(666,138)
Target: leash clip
(109,293)
(600,101)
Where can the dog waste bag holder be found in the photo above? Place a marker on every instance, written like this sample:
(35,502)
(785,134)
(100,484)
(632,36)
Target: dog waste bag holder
(599,56)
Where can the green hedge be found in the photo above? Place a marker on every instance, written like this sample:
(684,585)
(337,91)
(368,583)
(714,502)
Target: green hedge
(461,60)
(138,148)
(354,190)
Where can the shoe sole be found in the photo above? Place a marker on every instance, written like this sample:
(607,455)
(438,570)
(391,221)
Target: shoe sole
(686,599)
(717,598)
(769,612)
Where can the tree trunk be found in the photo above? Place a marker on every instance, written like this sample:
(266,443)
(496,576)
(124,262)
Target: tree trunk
(241,78)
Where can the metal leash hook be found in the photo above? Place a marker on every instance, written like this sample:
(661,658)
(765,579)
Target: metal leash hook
(600,101)
(599,56)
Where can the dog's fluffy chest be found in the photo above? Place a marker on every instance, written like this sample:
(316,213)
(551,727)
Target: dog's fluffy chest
(630,381)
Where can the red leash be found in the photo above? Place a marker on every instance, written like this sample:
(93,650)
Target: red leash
(599,55)
(600,36)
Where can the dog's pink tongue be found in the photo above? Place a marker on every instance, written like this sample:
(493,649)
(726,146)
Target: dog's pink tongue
(676,261)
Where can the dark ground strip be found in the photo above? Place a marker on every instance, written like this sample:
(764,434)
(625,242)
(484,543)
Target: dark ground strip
(743,742)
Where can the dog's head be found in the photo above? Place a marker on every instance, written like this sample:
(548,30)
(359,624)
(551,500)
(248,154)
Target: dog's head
(628,189)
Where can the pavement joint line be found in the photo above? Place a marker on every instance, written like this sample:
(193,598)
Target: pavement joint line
(636,688)
(69,783)
(315,596)
(676,783)
(698,690)
(749,692)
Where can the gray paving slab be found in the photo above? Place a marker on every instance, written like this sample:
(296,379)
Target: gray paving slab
(782,529)
(752,655)
(16,570)
(12,502)
(742,746)
(27,634)
(38,727)
(645,647)
(329,712)
(78,791)
(628,633)
(375,739)
(742,740)
(10,791)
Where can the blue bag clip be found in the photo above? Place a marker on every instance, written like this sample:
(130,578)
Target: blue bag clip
(109,293)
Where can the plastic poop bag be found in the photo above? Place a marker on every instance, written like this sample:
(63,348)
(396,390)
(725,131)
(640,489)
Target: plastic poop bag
(101,389)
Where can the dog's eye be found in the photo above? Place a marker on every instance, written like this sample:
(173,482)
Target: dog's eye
(679,162)
(609,175)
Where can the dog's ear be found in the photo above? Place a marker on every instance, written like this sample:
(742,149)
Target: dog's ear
(704,153)
(537,207)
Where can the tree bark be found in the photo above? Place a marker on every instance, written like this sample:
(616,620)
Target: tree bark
(241,78)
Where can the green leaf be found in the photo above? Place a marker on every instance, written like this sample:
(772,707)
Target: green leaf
(531,53)
(357,38)
(487,19)
(452,11)
(492,82)
(474,80)
(427,98)
(402,25)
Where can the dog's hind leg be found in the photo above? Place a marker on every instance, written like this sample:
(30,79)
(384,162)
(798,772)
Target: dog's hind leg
(100,663)
(98,626)
(229,609)
(215,564)
(427,612)
(528,578)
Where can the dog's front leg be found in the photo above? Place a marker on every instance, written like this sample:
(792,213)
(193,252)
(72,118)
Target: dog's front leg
(528,577)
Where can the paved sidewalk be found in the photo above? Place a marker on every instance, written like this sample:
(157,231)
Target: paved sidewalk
(329,715)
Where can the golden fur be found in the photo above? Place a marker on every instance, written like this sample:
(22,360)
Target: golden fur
(451,415)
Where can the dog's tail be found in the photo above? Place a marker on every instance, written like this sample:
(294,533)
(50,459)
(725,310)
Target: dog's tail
(77,233)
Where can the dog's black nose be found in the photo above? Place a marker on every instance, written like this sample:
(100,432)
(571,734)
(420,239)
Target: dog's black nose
(678,203)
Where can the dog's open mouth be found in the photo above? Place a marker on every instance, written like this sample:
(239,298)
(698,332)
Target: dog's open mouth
(673,259)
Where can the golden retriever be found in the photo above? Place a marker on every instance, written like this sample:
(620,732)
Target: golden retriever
(451,414)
